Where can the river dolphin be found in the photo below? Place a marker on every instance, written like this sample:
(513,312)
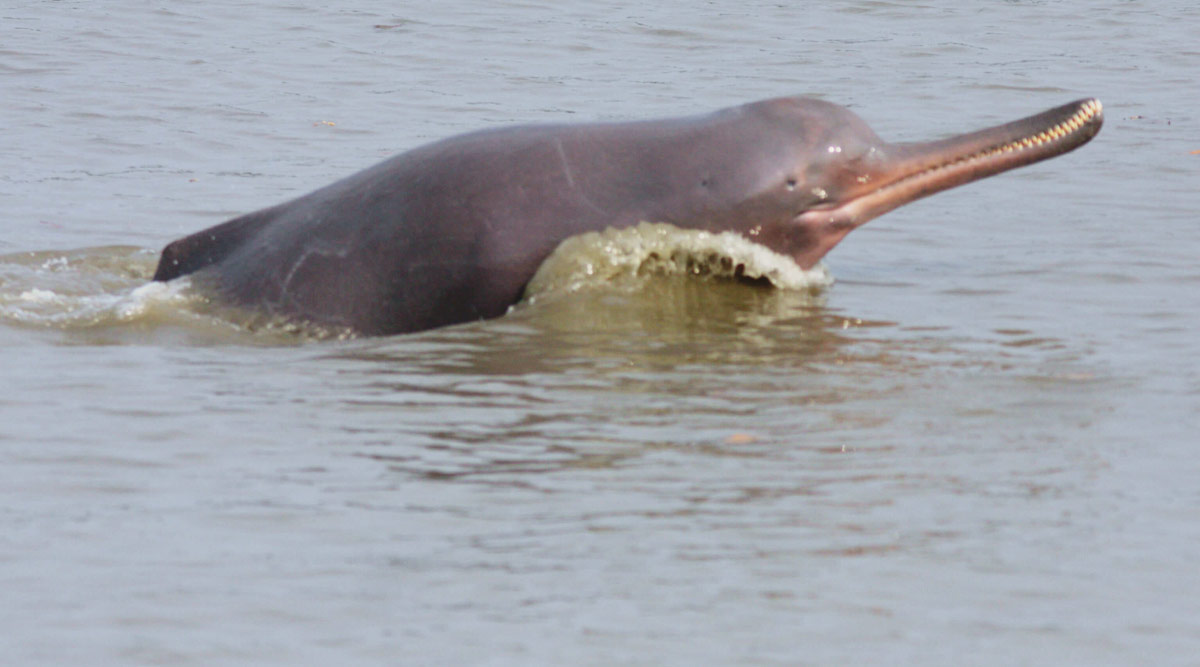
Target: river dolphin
(453,231)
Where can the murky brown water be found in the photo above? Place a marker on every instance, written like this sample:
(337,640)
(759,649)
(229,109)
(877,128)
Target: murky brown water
(978,445)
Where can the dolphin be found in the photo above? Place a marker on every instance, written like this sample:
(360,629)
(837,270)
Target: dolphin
(453,231)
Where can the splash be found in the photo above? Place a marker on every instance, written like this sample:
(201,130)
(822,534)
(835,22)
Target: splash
(80,289)
(106,294)
(600,258)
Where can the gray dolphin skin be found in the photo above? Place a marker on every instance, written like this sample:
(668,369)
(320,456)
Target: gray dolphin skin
(452,231)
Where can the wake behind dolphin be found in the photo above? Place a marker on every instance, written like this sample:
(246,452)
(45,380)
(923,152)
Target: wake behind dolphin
(455,230)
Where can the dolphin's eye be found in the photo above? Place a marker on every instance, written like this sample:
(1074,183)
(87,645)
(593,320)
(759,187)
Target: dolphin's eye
(791,184)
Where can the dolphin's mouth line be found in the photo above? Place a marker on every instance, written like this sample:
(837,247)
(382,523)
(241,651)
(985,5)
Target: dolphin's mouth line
(970,164)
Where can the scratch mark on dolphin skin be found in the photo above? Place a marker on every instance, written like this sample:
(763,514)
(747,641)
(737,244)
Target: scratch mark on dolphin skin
(566,164)
(318,249)
(570,176)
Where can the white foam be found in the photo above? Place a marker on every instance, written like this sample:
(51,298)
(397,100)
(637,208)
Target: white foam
(56,264)
(85,303)
(152,295)
(38,296)
(599,257)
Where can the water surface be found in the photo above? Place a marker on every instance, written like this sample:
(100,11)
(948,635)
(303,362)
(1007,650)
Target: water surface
(978,444)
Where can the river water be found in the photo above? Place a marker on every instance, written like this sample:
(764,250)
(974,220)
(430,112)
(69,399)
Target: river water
(979,444)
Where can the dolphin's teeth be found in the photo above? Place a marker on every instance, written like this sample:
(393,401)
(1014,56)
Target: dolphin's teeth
(1059,131)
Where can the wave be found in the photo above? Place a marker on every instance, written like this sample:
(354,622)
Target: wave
(597,259)
(83,288)
(106,293)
